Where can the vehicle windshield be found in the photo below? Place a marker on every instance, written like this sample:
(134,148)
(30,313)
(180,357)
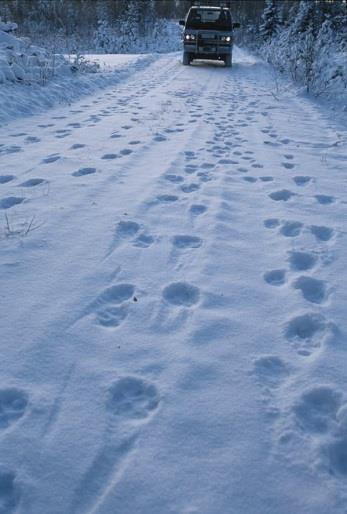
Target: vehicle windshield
(209,19)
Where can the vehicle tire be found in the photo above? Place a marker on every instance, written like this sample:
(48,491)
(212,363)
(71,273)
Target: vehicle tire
(186,58)
(228,60)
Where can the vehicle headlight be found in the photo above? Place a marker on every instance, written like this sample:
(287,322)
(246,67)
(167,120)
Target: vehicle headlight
(190,37)
(226,38)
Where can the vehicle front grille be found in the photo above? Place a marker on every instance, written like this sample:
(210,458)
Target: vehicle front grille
(208,41)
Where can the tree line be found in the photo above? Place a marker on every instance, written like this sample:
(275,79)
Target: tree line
(80,21)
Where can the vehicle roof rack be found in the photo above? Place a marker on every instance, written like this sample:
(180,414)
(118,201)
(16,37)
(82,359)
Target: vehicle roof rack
(212,3)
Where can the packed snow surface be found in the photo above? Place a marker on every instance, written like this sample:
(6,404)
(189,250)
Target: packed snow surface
(173,300)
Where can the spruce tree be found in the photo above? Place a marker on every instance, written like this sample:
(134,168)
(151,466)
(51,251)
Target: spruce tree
(269,19)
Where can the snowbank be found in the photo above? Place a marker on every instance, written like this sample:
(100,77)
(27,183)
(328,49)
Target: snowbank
(8,26)
(18,100)
(32,79)
(319,63)
(20,61)
(110,62)
(308,44)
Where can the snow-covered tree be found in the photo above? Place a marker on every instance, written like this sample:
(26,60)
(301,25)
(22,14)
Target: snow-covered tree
(104,38)
(269,20)
(304,20)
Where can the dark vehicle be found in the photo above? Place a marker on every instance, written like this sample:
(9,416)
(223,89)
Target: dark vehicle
(208,34)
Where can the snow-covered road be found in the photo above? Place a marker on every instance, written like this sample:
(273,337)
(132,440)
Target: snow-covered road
(173,299)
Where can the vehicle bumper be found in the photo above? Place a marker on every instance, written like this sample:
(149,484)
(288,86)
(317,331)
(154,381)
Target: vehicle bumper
(207,51)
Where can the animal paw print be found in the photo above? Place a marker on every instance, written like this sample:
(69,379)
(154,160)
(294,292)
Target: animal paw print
(312,289)
(132,398)
(83,172)
(6,178)
(127,229)
(275,277)
(270,370)
(181,294)
(302,261)
(112,306)
(198,209)
(316,408)
(183,242)
(144,241)
(10,201)
(9,493)
(336,449)
(320,413)
(281,196)
(13,403)
(322,233)
(307,332)
(288,228)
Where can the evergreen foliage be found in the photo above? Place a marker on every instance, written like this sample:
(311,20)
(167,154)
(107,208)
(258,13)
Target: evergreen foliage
(269,19)
(310,43)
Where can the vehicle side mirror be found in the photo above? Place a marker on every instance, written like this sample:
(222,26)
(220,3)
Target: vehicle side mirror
(182,22)
(236,25)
